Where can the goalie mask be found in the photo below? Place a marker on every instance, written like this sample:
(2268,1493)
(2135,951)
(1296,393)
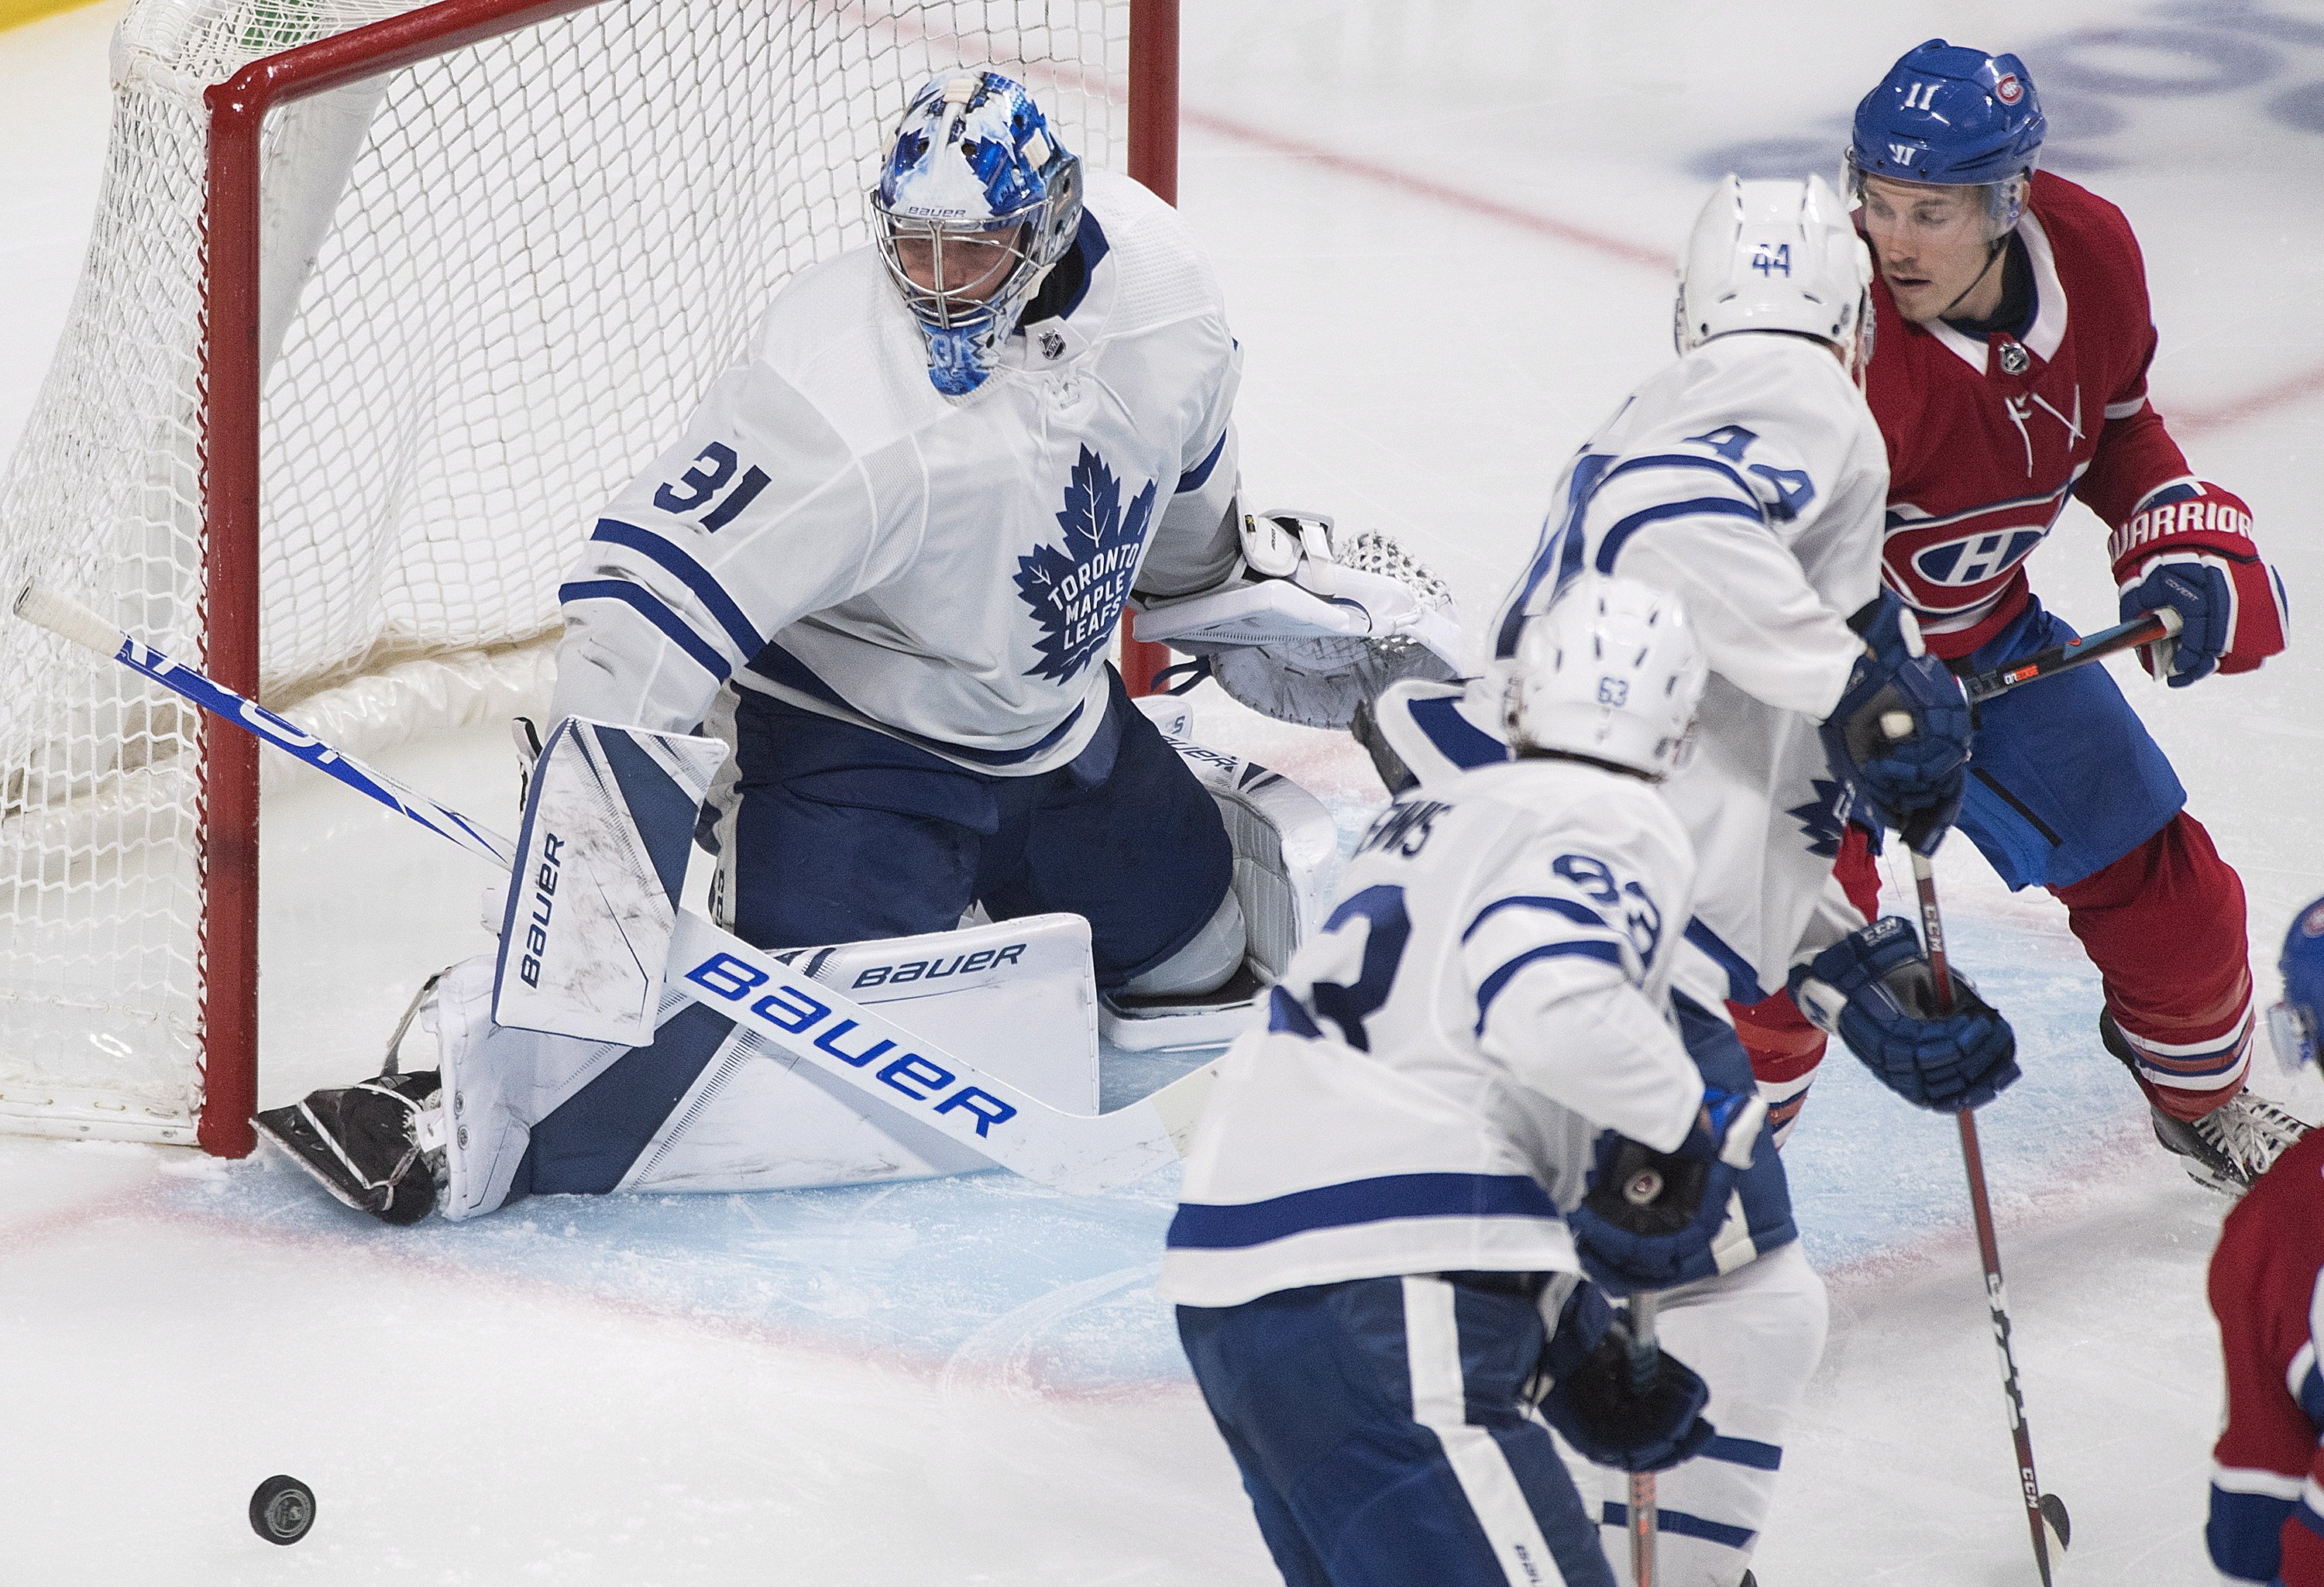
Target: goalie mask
(1609,672)
(977,202)
(1776,256)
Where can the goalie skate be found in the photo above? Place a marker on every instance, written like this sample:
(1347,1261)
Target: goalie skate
(2228,1148)
(366,1144)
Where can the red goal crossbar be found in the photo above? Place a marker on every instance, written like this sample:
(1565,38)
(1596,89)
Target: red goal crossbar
(227,964)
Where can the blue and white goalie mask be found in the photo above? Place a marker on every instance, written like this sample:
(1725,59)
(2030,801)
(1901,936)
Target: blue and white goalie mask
(977,202)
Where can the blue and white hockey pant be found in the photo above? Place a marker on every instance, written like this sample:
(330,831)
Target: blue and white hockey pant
(844,834)
(1383,1435)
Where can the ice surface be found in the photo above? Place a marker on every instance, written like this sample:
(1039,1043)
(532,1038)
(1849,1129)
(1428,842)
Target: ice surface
(1442,229)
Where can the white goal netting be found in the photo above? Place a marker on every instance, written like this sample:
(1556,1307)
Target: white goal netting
(494,284)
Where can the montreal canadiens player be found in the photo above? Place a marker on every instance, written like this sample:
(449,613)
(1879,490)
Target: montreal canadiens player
(2267,1291)
(1393,1193)
(885,559)
(1748,480)
(2010,374)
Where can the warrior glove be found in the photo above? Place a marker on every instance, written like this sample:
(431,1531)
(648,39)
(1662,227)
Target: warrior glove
(2189,548)
(1876,991)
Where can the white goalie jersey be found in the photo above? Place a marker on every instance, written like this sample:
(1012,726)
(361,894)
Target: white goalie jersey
(832,531)
(1489,994)
(1751,480)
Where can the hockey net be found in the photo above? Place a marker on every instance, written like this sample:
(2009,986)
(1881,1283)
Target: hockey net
(488,286)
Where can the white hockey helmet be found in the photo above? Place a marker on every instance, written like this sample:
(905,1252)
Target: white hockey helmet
(1776,256)
(1610,672)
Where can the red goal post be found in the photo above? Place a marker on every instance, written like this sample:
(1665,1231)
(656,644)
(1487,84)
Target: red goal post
(225,605)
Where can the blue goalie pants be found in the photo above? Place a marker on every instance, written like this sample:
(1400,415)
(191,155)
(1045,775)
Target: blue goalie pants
(1383,1435)
(844,834)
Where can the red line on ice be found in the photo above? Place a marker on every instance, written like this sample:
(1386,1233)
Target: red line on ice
(1421,187)
(2284,393)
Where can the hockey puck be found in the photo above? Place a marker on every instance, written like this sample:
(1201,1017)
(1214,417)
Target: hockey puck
(283,1509)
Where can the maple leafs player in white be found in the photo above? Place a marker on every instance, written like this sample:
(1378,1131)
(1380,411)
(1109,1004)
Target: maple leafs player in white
(1396,1188)
(885,559)
(1749,480)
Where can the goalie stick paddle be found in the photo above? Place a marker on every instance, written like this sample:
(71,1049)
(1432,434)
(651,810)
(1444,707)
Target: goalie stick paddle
(804,1020)
(2149,629)
(2045,1513)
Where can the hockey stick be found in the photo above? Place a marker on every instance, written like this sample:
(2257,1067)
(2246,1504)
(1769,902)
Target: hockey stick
(2150,629)
(804,1019)
(1644,1367)
(2044,1512)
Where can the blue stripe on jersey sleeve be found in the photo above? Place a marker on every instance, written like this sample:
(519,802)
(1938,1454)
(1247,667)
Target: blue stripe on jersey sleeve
(1605,951)
(1742,980)
(1681,460)
(1579,913)
(1710,506)
(651,608)
(1560,549)
(690,573)
(1195,478)
(2246,1534)
(1236,1226)
(1745,1451)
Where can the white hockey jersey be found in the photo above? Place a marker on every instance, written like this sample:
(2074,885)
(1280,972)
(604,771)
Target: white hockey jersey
(1750,479)
(1487,995)
(833,530)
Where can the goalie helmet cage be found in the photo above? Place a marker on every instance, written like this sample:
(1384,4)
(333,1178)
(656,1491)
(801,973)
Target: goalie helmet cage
(382,302)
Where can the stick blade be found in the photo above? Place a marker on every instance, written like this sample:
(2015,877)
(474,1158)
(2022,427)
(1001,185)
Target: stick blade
(2061,1525)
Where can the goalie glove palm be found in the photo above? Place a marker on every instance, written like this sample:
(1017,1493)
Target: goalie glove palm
(1876,991)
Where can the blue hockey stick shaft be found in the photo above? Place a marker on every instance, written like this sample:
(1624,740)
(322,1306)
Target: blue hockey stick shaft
(772,1002)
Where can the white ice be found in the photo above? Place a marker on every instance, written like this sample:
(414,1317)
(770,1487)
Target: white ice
(1443,229)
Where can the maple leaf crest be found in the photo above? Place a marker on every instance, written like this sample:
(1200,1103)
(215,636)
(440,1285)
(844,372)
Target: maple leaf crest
(1823,820)
(1075,590)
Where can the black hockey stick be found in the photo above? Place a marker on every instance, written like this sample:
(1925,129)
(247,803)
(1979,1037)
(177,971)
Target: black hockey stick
(2045,1513)
(2149,629)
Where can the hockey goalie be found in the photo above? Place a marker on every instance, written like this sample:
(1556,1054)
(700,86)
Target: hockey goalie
(882,563)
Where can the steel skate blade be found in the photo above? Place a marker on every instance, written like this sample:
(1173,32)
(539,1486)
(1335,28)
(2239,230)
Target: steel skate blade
(294,1136)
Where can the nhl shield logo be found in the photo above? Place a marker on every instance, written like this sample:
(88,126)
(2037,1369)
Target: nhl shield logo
(2013,359)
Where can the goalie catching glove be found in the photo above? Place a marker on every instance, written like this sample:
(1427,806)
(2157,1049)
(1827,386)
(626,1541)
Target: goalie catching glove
(1313,623)
(1876,991)
(2188,548)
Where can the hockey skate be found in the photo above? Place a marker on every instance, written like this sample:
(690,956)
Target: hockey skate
(2228,1148)
(376,1147)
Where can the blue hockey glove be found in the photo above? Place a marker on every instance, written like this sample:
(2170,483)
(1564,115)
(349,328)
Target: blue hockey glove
(1650,1217)
(1875,989)
(1596,1405)
(1912,781)
(2198,593)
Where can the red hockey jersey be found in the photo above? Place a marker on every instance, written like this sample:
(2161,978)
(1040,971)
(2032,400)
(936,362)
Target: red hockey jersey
(1987,438)
(2267,1508)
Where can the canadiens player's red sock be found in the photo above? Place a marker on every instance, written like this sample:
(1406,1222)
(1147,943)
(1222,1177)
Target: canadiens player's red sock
(2164,925)
(1785,1050)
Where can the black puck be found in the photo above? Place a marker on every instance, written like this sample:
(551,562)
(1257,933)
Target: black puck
(283,1509)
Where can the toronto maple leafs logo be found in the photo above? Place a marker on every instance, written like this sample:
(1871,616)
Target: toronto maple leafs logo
(1823,821)
(1076,591)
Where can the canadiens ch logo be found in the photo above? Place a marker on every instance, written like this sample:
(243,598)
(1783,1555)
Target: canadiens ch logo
(1075,591)
(1977,557)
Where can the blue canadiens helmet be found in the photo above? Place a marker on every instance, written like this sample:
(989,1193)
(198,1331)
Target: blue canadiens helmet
(1952,116)
(2296,1024)
(976,172)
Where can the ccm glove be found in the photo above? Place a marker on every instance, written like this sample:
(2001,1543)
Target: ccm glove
(1914,781)
(1649,1219)
(1876,991)
(2189,548)
(1598,1404)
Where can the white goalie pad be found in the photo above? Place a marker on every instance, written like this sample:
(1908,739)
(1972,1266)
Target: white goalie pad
(1285,842)
(1351,615)
(1017,997)
(600,860)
